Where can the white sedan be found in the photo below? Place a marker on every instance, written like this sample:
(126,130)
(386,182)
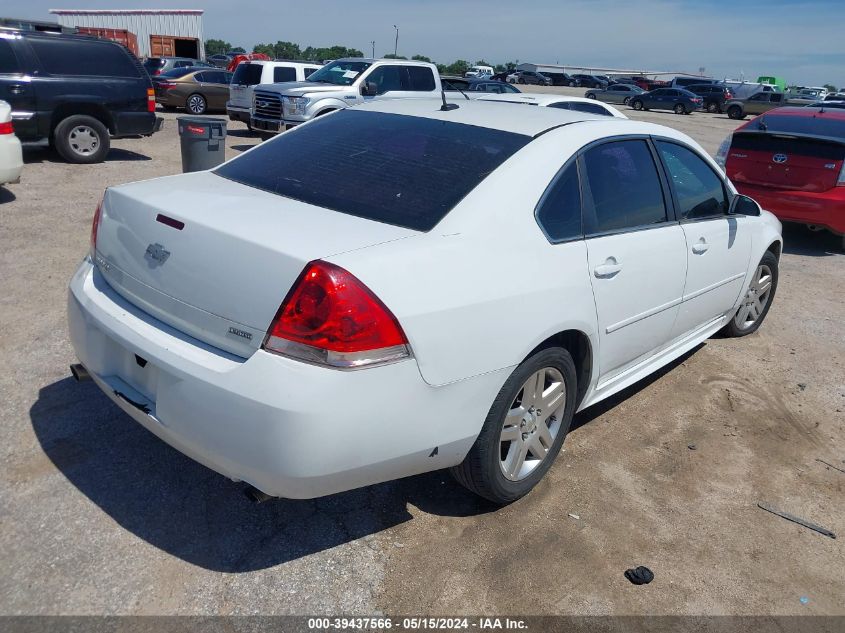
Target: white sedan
(562,102)
(11,156)
(368,296)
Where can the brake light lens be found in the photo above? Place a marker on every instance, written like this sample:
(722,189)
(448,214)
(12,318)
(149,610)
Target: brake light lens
(95,226)
(331,318)
(166,85)
(6,128)
(151,100)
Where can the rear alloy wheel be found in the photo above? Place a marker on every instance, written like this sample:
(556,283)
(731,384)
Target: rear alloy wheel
(520,81)
(757,300)
(680,109)
(713,107)
(196,104)
(626,100)
(81,139)
(591,95)
(637,104)
(735,112)
(524,429)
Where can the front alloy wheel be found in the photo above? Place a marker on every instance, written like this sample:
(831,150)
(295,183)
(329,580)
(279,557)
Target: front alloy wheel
(756,299)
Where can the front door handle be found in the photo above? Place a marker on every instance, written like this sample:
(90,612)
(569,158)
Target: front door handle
(16,89)
(609,268)
(700,247)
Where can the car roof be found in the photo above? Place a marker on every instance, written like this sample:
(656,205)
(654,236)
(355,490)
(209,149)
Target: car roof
(483,113)
(806,111)
(543,99)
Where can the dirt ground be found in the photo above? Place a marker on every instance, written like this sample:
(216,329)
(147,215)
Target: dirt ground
(99,517)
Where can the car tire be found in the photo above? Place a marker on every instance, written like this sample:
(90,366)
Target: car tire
(196,104)
(713,107)
(735,112)
(637,104)
(483,470)
(626,100)
(591,95)
(756,302)
(520,81)
(572,84)
(679,108)
(81,139)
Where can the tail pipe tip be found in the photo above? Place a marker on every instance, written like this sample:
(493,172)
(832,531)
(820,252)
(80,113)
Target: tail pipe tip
(257,496)
(80,374)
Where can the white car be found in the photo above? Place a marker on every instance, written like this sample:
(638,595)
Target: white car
(368,296)
(11,156)
(579,104)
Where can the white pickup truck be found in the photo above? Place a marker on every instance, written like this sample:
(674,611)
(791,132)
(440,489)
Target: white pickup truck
(340,84)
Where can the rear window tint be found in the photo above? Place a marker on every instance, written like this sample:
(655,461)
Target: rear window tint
(284,73)
(247,74)
(8,62)
(817,125)
(70,57)
(401,170)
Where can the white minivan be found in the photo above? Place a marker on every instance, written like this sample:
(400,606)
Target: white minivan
(250,74)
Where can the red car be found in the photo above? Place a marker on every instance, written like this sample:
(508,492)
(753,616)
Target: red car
(792,161)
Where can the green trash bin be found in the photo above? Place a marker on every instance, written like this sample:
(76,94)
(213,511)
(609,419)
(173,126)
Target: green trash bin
(203,142)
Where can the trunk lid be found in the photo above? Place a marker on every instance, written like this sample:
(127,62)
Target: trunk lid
(223,275)
(786,162)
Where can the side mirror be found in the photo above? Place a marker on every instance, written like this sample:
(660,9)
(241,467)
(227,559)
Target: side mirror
(369,89)
(743,205)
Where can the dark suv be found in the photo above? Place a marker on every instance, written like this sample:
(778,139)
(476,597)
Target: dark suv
(589,81)
(714,96)
(74,92)
(531,77)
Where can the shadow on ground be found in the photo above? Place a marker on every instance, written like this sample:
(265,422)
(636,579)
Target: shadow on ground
(189,511)
(799,240)
(47,155)
(6,195)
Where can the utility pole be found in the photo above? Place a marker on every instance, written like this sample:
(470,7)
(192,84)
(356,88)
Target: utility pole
(396,44)
(374,48)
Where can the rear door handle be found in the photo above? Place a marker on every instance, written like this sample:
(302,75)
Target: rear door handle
(700,247)
(609,268)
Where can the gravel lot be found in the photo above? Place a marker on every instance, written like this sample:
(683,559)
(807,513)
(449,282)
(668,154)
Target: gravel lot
(99,517)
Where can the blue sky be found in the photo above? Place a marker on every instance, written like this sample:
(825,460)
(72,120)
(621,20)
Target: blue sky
(801,41)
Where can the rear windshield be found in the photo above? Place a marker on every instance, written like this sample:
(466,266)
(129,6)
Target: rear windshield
(178,72)
(402,170)
(820,124)
(153,63)
(247,74)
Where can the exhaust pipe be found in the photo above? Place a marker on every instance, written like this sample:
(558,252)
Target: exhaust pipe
(256,496)
(79,372)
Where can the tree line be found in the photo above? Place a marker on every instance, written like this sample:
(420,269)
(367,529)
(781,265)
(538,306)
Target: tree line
(291,50)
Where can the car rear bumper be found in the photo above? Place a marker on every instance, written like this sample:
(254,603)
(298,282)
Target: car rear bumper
(135,124)
(237,113)
(11,159)
(289,428)
(826,209)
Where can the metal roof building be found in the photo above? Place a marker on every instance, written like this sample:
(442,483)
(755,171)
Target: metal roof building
(159,32)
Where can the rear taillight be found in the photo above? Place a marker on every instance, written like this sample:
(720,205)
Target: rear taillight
(6,128)
(331,318)
(165,85)
(158,72)
(151,100)
(95,226)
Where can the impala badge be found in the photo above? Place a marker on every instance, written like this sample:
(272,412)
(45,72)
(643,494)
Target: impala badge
(780,158)
(157,253)
(241,333)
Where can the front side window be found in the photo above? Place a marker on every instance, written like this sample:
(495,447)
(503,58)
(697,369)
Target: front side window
(625,186)
(402,170)
(283,73)
(559,212)
(699,190)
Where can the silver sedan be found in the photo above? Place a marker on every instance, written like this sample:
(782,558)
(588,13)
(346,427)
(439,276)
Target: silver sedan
(617,93)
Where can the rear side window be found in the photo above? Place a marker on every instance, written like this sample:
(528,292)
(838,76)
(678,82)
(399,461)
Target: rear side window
(699,190)
(402,170)
(421,78)
(592,108)
(625,187)
(247,74)
(69,57)
(284,73)
(559,212)
(8,62)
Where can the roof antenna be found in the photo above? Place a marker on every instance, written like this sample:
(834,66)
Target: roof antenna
(446,106)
